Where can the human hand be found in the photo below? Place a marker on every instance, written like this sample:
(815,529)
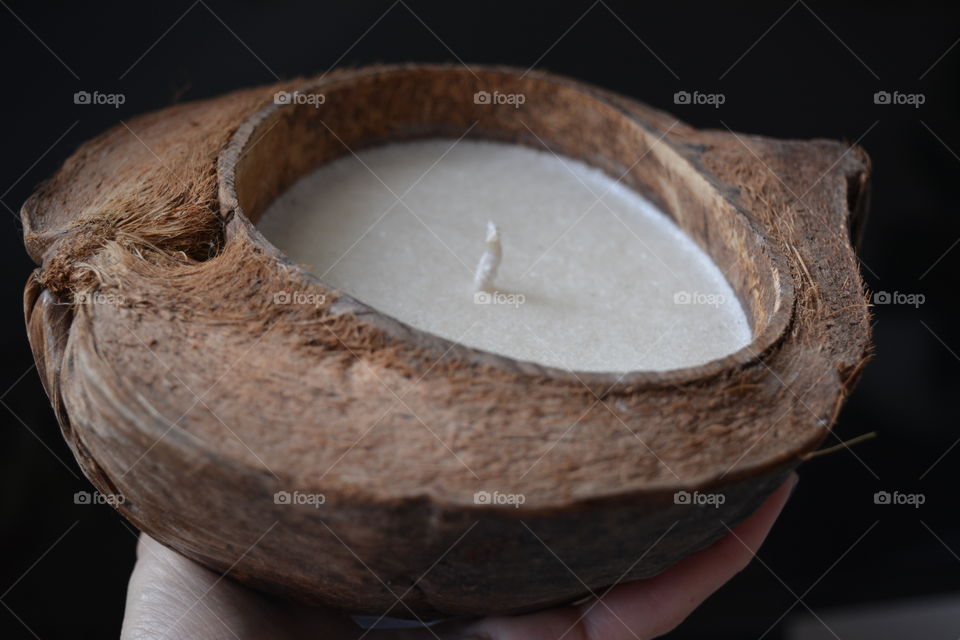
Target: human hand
(170,596)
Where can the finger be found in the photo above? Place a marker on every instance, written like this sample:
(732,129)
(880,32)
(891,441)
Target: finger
(170,596)
(649,608)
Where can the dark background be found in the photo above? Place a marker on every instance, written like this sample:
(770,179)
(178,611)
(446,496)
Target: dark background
(794,70)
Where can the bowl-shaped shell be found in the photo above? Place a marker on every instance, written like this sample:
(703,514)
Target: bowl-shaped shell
(332,454)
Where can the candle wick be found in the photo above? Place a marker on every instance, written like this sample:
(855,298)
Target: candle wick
(489,261)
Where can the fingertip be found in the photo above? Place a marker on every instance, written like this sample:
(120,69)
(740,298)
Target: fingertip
(754,530)
(656,605)
(144,544)
(793,480)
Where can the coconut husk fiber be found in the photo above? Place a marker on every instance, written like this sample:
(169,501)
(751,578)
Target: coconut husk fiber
(181,385)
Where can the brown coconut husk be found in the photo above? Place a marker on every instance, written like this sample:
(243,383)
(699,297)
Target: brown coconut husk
(185,388)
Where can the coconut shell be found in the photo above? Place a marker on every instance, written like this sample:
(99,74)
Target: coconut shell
(184,384)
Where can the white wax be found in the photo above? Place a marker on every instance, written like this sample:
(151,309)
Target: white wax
(593,276)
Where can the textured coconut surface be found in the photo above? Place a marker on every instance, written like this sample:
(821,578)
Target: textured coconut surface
(182,384)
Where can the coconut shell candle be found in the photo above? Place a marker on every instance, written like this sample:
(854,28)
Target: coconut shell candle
(324,439)
(595,278)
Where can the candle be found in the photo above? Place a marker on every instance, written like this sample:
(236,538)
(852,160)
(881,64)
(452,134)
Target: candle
(511,250)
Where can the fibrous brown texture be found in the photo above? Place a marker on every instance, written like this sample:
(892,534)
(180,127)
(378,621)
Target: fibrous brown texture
(183,382)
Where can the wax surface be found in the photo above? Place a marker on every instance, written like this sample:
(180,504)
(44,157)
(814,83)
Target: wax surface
(593,276)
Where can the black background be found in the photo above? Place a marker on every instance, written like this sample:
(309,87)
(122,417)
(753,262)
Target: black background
(794,70)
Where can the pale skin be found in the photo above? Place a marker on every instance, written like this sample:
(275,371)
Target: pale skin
(170,596)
